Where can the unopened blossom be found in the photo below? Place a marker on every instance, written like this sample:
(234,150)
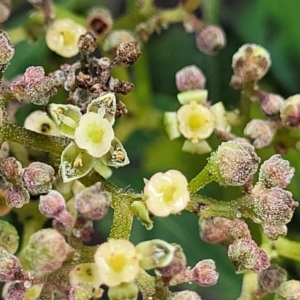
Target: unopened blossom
(271,104)
(7,50)
(289,290)
(195,121)
(94,134)
(290,112)
(166,193)
(204,273)
(185,295)
(9,238)
(5,10)
(115,38)
(117,262)
(63,35)
(10,267)
(15,291)
(17,196)
(11,170)
(123,291)
(190,77)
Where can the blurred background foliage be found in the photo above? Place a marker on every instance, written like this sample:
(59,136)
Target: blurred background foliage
(273,24)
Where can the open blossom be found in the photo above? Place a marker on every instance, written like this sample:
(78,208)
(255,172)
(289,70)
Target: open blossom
(62,37)
(195,121)
(166,193)
(94,134)
(117,262)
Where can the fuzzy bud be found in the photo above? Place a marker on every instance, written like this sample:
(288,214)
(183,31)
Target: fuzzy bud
(5,10)
(271,104)
(290,112)
(233,163)
(184,295)
(204,273)
(276,171)
(38,178)
(124,291)
(260,132)
(15,291)
(46,251)
(190,78)
(9,238)
(270,279)
(87,43)
(99,22)
(154,254)
(246,255)
(92,203)
(10,268)
(210,40)
(176,266)
(11,170)
(289,290)
(251,62)
(128,53)
(6,50)
(17,196)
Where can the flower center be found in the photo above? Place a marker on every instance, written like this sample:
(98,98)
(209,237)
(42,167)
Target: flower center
(195,121)
(95,134)
(168,193)
(69,37)
(117,262)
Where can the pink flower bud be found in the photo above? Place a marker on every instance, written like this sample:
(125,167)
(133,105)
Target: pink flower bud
(11,170)
(204,273)
(5,10)
(190,78)
(246,255)
(185,295)
(93,203)
(271,104)
(276,171)
(38,178)
(290,112)
(10,268)
(289,290)
(6,50)
(17,196)
(15,291)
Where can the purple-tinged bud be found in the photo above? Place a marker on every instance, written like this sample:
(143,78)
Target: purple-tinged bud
(271,104)
(251,62)
(128,53)
(289,290)
(238,229)
(11,170)
(274,230)
(176,266)
(46,251)
(246,255)
(53,205)
(261,132)
(10,268)
(236,82)
(17,196)
(87,43)
(99,22)
(290,112)
(9,238)
(210,40)
(204,273)
(15,291)
(92,203)
(5,9)
(189,78)
(184,295)
(270,279)
(6,50)
(276,171)
(38,178)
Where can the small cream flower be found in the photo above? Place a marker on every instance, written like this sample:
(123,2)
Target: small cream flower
(62,37)
(94,134)
(196,122)
(117,262)
(166,193)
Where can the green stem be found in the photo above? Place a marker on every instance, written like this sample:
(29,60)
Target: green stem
(245,106)
(201,180)
(211,11)
(249,285)
(288,249)
(146,284)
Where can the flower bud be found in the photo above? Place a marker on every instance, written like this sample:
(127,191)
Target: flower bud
(38,178)
(189,78)
(6,50)
(176,266)
(289,290)
(93,203)
(251,62)
(204,273)
(195,121)
(15,291)
(139,208)
(17,196)
(124,291)
(246,255)
(184,295)
(46,251)
(261,132)
(9,238)
(166,193)
(62,37)
(270,279)
(210,40)
(53,205)
(154,254)
(290,112)
(128,53)
(233,163)
(117,262)
(5,10)
(87,43)
(11,170)
(271,104)
(276,171)
(99,22)
(115,38)
(10,268)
